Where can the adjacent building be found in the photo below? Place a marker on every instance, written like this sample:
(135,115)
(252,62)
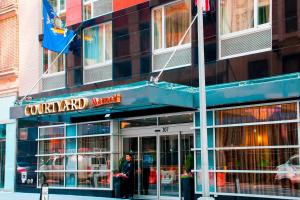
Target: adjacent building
(9,79)
(96,103)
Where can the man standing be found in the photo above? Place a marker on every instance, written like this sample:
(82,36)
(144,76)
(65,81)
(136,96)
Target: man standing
(127,185)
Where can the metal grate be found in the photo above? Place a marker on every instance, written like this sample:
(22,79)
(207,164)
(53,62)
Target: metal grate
(182,57)
(53,82)
(246,43)
(97,74)
(102,7)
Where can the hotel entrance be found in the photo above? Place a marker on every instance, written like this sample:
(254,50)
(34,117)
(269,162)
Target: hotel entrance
(159,154)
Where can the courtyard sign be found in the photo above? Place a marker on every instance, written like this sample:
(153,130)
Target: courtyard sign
(68,105)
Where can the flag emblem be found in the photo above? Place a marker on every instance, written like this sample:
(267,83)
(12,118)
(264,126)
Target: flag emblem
(57,37)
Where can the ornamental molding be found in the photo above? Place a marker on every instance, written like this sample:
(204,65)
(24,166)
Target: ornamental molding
(8,11)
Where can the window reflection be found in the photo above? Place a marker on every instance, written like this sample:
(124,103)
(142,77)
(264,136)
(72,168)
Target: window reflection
(254,159)
(94,144)
(259,135)
(93,179)
(51,163)
(257,114)
(255,183)
(54,179)
(94,162)
(93,128)
(52,146)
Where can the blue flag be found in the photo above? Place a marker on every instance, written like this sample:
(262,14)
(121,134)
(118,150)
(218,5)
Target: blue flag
(56,36)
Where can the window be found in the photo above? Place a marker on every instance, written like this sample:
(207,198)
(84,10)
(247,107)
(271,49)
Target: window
(255,151)
(59,7)
(97,53)
(94,8)
(170,22)
(240,15)
(291,15)
(77,156)
(48,59)
(98,44)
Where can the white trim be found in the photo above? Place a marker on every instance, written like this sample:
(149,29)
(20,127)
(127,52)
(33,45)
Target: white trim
(260,28)
(77,188)
(257,123)
(245,54)
(254,105)
(92,9)
(256,28)
(254,147)
(157,116)
(253,195)
(163,48)
(77,153)
(250,171)
(105,63)
(70,171)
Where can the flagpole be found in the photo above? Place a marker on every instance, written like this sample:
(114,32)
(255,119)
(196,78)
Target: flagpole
(49,67)
(202,106)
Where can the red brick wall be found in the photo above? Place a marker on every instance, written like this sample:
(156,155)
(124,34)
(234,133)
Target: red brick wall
(122,4)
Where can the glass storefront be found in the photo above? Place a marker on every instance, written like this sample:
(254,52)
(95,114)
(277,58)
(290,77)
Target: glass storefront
(2,153)
(255,151)
(159,156)
(75,156)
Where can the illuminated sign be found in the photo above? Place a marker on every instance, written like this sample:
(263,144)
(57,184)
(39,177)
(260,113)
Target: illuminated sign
(69,105)
(106,100)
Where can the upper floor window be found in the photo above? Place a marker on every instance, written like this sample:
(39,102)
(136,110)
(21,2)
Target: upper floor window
(97,44)
(170,22)
(59,7)
(48,59)
(240,15)
(94,8)
(97,53)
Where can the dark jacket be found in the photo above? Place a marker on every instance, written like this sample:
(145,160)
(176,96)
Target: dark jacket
(128,169)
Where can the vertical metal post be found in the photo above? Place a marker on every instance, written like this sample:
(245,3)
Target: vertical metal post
(202,104)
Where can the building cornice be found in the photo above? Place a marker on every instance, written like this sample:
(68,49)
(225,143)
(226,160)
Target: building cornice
(8,11)
(8,73)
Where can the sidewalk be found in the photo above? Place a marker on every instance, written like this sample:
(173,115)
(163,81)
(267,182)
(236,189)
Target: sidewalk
(34,196)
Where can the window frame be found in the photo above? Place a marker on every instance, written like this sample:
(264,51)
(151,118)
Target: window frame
(51,74)
(256,27)
(84,3)
(165,49)
(105,62)
(66,154)
(215,149)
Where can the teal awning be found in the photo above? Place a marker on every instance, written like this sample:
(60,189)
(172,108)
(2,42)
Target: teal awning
(135,96)
(146,95)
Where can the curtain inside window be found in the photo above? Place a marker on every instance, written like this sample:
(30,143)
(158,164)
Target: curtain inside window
(93,45)
(157,28)
(108,42)
(236,15)
(263,11)
(177,19)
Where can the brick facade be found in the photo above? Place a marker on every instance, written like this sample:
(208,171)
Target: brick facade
(9,46)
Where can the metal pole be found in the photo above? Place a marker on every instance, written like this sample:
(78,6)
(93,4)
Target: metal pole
(32,88)
(202,105)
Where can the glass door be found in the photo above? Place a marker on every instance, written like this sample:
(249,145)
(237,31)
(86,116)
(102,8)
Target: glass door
(166,153)
(148,166)
(130,145)
(169,166)
(144,153)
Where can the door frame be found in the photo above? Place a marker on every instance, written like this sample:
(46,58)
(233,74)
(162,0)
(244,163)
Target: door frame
(158,131)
